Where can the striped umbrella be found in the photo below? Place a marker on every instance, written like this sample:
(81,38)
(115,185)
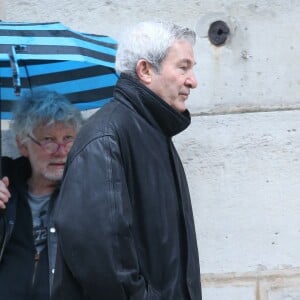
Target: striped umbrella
(50,55)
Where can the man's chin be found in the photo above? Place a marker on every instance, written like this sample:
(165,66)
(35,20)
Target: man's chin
(180,109)
(54,176)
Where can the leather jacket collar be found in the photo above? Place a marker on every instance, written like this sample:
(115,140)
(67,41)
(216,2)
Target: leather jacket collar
(155,110)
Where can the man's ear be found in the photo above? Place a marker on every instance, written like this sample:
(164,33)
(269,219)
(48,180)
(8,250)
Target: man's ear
(22,147)
(144,71)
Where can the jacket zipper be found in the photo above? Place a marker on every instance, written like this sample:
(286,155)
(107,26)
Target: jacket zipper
(36,263)
(7,230)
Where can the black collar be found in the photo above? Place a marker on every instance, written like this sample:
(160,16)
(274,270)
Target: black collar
(155,110)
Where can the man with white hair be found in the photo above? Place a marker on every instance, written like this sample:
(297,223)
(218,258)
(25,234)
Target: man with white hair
(124,216)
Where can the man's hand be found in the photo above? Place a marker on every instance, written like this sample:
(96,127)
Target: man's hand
(4,192)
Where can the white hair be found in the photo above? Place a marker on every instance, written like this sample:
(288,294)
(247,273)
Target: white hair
(150,41)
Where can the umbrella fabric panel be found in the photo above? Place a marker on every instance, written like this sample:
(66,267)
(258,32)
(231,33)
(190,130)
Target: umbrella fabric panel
(52,56)
(55,39)
(88,86)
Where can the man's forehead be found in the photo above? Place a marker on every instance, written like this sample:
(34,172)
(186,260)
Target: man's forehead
(52,127)
(181,48)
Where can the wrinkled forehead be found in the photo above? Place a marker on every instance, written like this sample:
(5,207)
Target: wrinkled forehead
(181,50)
(53,127)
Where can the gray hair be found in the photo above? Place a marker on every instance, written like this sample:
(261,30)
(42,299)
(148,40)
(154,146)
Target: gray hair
(150,41)
(43,108)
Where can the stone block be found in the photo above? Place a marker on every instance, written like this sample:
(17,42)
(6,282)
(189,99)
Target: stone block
(229,293)
(243,172)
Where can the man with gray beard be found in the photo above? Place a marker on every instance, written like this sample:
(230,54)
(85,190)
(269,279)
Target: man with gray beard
(45,125)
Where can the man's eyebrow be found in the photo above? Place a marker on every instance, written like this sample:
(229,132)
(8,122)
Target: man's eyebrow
(188,61)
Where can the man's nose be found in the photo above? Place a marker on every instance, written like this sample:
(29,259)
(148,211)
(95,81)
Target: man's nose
(191,81)
(62,150)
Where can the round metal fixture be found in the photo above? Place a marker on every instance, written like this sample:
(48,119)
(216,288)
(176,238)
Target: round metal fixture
(218,33)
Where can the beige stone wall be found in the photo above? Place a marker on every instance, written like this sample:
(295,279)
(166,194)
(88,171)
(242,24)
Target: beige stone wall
(2,10)
(241,153)
(243,171)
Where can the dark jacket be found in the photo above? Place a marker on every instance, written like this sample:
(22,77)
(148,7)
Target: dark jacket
(21,276)
(124,216)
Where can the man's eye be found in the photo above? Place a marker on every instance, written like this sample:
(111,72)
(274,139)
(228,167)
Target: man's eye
(69,138)
(47,139)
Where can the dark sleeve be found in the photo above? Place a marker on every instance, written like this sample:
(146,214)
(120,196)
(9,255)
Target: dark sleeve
(93,220)
(13,168)
(6,166)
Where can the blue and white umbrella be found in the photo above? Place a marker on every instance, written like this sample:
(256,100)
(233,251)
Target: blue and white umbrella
(50,55)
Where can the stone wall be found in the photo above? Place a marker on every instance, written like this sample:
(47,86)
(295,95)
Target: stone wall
(241,153)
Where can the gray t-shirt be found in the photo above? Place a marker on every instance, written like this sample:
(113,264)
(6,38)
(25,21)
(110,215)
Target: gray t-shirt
(39,210)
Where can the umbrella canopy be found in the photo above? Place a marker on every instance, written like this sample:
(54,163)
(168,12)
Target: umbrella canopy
(50,55)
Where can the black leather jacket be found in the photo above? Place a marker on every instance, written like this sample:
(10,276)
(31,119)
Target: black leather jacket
(124,217)
(18,170)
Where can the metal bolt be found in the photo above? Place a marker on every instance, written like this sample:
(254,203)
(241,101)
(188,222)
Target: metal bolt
(218,33)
